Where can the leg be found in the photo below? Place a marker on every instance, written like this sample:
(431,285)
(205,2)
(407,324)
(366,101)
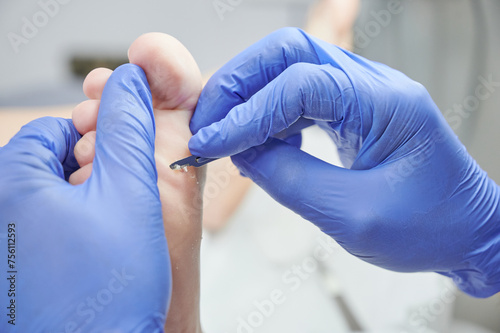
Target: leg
(332,21)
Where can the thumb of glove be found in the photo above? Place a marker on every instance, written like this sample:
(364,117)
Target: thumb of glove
(125,132)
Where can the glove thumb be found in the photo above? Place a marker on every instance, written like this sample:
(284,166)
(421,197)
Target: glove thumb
(320,192)
(125,133)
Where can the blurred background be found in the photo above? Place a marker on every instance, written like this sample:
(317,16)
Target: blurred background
(253,248)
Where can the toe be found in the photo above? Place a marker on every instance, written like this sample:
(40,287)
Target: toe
(95,81)
(81,175)
(173,75)
(85,116)
(85,149)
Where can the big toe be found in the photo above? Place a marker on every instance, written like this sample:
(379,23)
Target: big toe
(173,75)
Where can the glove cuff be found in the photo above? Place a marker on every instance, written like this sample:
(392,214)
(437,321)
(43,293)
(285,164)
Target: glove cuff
(481,275)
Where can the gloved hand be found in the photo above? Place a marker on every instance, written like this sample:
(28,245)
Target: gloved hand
(93,257)
(412,199)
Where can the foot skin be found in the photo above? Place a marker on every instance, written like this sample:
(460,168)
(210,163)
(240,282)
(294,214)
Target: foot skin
(176,84)
(332,21)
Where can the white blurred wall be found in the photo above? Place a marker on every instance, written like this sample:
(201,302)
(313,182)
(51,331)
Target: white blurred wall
(108,27)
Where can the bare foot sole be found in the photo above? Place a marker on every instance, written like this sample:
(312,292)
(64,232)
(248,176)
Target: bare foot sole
(176,84)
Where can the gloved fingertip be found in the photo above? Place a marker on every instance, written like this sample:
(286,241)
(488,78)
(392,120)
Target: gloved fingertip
(237,162)
(51,142)
(208,143)
(195,146)
(245,161)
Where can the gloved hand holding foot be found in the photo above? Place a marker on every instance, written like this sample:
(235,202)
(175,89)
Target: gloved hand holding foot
(175,83)
(410,199)
(93,257)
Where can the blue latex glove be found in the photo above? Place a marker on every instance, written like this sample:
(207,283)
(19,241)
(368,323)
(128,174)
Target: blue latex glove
(88,258)
(412,199)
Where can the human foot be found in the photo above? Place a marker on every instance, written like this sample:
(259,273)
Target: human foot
(332,21)
(175,83)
